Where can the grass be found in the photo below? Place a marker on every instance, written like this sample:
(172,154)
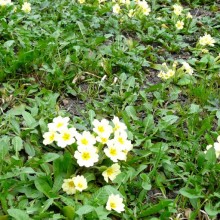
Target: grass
(85,62)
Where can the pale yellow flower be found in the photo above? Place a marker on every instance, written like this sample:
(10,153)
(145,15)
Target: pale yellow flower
(68,186)
(66,137)
(131,13)
(26,7)
(111,172)
(5,2)
(80,183)
(102,128)
(189,16)
(49,137)
(179,25)
(86,139)
(115,202)
(86,156)
(81,1)
(58,124)
(177,9)
(206,40)
(188,68)
(116,9)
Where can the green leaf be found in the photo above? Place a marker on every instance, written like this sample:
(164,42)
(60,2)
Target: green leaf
(48,157)
(4,147)
(29,120)
(155,209)
(146,184)
(131,112)
(18,214)
(85,209)
(170,119)
(17,143)
(211,211)
(69,212)
(190,193)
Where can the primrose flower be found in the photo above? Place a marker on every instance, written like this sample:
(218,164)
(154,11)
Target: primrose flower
(114,152)
(5,2)
(58,124)
(115,202)
(103,139)
(131,13)
(66,137)
(86,156)
(188,68)
(189,16)
(85,139)
(80,183)
(116,9)
(177,9)
(118,126)
(111,172)
(216,147)
(26,7)
(206,40)
(68,186)
(120,140)
(179,25)
(49,137)
(144,7)
(102,128)
(81,1)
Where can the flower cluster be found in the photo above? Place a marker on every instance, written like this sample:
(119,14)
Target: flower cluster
(169,72)
(178,12)
(216,147)
(70,186)
(26,7)
(111,136)
(136,7)
(206,40)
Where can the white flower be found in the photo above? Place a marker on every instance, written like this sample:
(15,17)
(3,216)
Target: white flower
(118,126)
(81,1)
(66,137)
(144,7)
(188,68)
(102,128)
(26,7)
(217,149)
(5,2)
(116,9)
(179,25)
(86,156)
(189,16)
(120,140)
(58,124)
(177,9)
(85,139)
(115,202)
(111,172)
(206,40)
(49,137)
(80,183)
(68,186)
(131,13)
(103,139)
(114,152)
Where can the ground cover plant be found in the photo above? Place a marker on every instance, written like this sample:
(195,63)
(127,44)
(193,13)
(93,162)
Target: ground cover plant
(109,109)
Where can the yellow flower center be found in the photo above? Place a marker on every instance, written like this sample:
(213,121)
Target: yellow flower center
(60,124)
(52,136)
(113,152)
(86,156)
(84,141)
(109,171)
(80,185)
(112,205)
(121,140)
(101,129)
(66,136)
(116,127)
(71,184)
(104,140)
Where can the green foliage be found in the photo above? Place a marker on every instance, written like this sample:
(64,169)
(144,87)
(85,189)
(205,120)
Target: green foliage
(85,62)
